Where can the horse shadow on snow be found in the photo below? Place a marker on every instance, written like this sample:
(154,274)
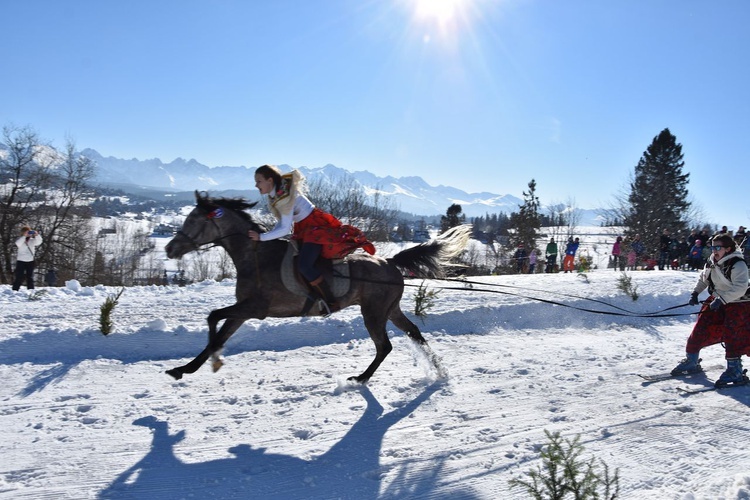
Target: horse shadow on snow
(350,469)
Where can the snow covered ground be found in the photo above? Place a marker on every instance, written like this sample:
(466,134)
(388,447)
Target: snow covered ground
(88,416)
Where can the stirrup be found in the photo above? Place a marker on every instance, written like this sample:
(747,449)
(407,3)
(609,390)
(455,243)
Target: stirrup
(325,309)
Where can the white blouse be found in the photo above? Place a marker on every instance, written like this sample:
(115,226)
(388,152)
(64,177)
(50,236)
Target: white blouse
(302,208)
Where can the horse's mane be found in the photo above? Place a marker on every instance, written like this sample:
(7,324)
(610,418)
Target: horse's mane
(238,205)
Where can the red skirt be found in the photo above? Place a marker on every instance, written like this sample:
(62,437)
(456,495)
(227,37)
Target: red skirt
(338,240)
(730,324)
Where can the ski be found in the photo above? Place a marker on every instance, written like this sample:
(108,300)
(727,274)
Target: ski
(658,377)
(686,391)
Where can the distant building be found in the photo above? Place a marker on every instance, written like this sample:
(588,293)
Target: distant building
(421,236)
(164,230)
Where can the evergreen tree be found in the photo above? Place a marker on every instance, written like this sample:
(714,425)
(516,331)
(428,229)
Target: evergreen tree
(526,222)
(658,197)
(452,218)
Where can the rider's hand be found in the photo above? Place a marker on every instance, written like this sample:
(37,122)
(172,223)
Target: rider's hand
(693,299)
(716,304)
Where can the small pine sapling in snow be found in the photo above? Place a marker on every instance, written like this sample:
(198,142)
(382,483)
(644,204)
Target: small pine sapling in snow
(424,300)
(105,318)
(37,295)
(584,263)
(563,474)
(626,285)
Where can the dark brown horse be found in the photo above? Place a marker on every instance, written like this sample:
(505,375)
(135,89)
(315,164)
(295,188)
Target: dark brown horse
(375,284)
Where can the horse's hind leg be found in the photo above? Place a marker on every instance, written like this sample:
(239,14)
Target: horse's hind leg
(375,323)
(404,324)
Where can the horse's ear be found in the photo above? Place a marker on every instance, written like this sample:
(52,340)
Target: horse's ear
(201,197)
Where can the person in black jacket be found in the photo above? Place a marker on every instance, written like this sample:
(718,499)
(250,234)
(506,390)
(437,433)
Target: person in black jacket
(664,243)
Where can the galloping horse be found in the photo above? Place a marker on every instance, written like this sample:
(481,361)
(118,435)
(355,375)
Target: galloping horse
(376,284)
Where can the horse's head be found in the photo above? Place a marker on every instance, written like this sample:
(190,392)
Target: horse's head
(212,220)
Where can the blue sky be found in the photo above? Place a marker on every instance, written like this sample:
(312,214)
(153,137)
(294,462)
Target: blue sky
(480,95)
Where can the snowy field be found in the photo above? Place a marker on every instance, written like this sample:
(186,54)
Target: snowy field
(88,416)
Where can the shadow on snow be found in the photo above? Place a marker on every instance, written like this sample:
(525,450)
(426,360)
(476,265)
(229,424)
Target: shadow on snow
(350,469)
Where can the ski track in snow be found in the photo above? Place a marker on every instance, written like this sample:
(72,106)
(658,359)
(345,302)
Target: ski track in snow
(88,416)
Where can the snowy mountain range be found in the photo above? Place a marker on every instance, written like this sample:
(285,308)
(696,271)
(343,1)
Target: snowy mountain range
(410,194)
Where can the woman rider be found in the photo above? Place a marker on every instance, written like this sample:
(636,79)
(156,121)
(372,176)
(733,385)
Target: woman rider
(321,234)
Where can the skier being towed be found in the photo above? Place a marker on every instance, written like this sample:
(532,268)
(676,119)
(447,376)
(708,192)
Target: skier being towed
(725,315)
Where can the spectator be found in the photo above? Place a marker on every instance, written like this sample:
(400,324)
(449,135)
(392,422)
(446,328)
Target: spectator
(638,247)
(704,237)
(619,262)
(632,259)
(695,257)
(665,241)
(550,254)
(742,245)
(570,254)
(692,237)
(50,279)
(740,238)
(520,256)
(683,249)
(27,244)
(532,261)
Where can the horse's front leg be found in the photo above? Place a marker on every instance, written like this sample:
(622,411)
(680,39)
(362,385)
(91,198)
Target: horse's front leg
(234,317)
(227,330)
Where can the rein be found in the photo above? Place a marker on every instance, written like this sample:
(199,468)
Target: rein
(204,247)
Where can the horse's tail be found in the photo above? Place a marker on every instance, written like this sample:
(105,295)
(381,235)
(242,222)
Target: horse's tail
(430,259)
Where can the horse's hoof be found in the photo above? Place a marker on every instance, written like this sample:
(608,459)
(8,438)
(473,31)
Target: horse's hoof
(357,380)
(216,365)
(175,373)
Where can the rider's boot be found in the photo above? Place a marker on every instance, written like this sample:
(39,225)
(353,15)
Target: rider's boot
(323,291)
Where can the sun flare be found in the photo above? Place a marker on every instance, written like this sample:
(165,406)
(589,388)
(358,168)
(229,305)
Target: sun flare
(440,11)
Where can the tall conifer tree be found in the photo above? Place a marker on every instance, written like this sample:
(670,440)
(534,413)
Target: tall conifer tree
(658,197)
(526,222)
(452,218)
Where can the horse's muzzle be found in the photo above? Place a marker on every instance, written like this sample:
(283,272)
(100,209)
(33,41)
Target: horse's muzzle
(173,250)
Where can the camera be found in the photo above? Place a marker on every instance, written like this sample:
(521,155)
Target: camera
(31,233)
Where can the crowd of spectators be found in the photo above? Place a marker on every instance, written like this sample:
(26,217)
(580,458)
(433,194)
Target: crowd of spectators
(686,252)
(678,252)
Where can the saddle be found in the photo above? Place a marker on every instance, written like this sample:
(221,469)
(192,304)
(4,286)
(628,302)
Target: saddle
(335,272)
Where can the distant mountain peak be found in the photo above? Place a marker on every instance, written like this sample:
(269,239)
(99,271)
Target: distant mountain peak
(410,194)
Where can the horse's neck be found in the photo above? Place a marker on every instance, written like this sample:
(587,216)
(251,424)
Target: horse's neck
(251,257)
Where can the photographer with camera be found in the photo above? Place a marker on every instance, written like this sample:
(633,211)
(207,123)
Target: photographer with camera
(26,244)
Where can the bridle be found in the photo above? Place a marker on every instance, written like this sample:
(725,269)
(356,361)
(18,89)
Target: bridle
(210,217)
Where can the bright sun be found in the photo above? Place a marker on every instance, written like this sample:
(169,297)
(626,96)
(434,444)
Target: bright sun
(441,11)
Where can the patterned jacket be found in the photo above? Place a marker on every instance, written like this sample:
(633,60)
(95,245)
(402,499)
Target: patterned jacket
(725,279)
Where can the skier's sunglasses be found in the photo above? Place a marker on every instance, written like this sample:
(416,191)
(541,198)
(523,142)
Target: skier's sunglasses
(716,248)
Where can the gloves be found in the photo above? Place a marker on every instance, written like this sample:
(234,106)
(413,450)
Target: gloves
(716,304)
(693,299)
